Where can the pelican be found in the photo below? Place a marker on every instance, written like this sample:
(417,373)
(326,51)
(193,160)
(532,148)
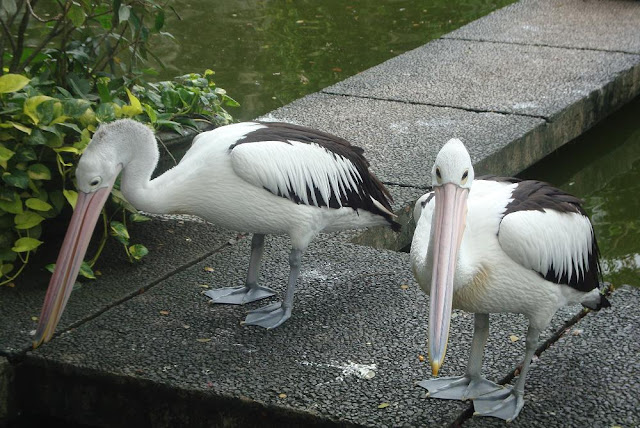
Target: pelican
(257,177)
(497,244)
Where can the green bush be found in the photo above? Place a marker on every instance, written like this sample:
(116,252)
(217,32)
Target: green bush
(84,70)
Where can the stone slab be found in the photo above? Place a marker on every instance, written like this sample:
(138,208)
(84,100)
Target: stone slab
(537,81)
(590,377)
(402,140)
(178,360)
(577,24)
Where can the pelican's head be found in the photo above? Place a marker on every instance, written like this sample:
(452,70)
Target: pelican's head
(453,165)
(96,174)
(452,176)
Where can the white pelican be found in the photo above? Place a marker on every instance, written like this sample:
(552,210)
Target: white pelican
(258,177)
(497,245)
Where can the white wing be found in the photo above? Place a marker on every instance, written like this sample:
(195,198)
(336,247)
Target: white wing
(557,244)
(302,172)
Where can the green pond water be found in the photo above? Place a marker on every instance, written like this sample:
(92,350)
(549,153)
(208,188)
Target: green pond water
(603,168)
(267,53)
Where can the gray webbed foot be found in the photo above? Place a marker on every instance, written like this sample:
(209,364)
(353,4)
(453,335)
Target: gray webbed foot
(239,295)
(505,404)
(458,387)
(270,316)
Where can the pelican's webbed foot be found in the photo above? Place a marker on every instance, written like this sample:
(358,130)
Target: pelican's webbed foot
(270,316)
(239,295)
(458,387)
(505,404)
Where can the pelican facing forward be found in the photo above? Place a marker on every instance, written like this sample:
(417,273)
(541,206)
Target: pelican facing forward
(258,177)
(492,245)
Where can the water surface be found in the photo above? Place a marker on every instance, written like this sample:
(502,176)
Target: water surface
(267,53)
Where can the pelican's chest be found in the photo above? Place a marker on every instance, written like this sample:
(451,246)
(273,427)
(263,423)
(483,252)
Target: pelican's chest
(475,294)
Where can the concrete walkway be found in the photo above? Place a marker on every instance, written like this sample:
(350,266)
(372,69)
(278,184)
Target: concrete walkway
(141,346)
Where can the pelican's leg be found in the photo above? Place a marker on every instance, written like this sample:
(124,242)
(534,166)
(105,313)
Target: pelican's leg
(472,384)
(251,291)
(506,404)
(271,316)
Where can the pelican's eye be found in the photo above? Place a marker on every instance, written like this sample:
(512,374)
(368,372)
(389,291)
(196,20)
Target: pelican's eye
(465,175)
(438,175)
(95,182)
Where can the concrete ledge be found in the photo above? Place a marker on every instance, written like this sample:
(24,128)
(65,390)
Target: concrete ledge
(349,318)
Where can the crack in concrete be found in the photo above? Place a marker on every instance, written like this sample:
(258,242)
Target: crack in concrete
(540,45)
(467,109)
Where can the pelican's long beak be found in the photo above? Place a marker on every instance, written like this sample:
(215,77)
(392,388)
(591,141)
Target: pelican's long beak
(74,247)
(448,227)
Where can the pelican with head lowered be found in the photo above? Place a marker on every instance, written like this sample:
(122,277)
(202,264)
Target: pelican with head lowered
(497,244)
(258,177)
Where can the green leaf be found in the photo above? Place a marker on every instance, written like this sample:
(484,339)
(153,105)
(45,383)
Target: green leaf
(27,220)
(135,108)
(5,154)
(106,112)
(37,138)
(67,149)
(138,251)
(17,178)
(230,101)
(20,127)
(103,90)
(37,204)
(12,83)
(159,22)
(119,199)
(76,15)
(25,154)
(153,116)
(25,244)
(31,104)
(6,268)
(139,218)
(38,171)
(14,206)
(120,232)
(75,107)
(71,126)
(57,199)
(79,85)
(170,99)
(72,197)
(86,271)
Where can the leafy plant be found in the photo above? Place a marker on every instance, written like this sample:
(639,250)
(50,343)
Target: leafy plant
(84,69)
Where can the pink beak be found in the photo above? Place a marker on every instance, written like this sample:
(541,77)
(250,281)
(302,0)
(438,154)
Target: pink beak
(74,247)
(448,227)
